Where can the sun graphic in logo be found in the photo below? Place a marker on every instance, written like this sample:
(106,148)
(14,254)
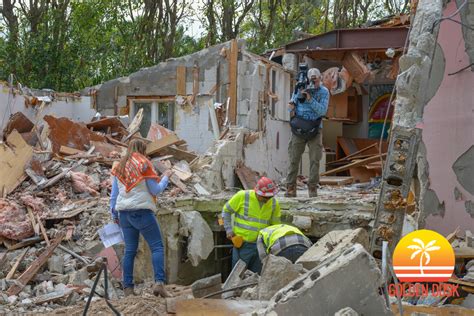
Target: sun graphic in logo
(423,256)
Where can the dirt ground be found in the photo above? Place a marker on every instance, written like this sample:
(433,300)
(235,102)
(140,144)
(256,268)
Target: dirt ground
(144,304)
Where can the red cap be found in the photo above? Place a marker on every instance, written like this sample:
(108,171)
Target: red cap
(265,187)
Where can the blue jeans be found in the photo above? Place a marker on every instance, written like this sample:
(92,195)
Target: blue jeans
(293,252)
(249,254)
(133,223)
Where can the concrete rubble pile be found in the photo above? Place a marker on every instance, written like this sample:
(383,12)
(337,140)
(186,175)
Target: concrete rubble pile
(336,276)
(54,188)
(343,279)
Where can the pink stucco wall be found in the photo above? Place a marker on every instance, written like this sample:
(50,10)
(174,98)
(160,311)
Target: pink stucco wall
(448,129)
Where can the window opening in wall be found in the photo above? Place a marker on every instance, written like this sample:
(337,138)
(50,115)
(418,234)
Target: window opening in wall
(273,91)
(154,111)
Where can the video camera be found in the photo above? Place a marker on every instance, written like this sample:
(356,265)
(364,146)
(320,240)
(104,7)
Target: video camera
(303,82)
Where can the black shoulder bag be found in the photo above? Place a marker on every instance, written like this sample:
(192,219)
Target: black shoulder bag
(305,129)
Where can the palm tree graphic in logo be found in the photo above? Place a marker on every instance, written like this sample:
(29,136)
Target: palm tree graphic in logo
(423,251)
(423,256)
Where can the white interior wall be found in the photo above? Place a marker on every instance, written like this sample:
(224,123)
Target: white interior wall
(269,154)
(75,109)
(195,127)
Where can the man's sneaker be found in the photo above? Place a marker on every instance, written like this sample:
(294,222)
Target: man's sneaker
(159,290)
(312,191)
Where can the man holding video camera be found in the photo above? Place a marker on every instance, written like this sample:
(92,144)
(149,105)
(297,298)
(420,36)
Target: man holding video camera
(308,106)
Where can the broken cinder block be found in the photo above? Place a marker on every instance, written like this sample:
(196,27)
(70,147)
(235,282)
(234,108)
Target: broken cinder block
(56,264)
(206,286)
(276,273)
(350,277)
(331,242)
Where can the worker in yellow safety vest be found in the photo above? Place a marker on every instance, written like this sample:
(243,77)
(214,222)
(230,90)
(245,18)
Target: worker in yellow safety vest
(282,240)
(253,210)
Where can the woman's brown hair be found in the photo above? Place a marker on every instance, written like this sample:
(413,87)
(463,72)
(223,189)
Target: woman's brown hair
(135,146)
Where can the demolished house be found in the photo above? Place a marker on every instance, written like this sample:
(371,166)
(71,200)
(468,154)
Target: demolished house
(218,118)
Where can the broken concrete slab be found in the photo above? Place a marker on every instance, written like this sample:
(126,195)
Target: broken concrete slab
(350,277)
(56,264)
(469,239)
(250,293)
(14,156)
(200,237)
(79,277)
(347,311)
(206,286)
(276,273)
(331,242)
(468,302)
(234,278)
(302,222)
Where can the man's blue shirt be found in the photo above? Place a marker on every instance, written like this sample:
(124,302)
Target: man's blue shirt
(314,108)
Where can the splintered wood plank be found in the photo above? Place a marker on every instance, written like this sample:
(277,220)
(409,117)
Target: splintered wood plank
(17,263)
(34,267)
(355,154)
(181,80)
(357,163)
(334,180)
(356,66)
(182,175)
(136,122)
(158,145)
(233,60)
(68,151)
(3,258)
(43,231)
(195,83)
(53,296)
(32,220)
(179,154)
(162,167)
(461,282)
(247,177)
(452,235)
(13,159)
(24,243)
(464,253)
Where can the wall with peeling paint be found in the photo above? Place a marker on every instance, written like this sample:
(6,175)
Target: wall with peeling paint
(78,109)
(448,133)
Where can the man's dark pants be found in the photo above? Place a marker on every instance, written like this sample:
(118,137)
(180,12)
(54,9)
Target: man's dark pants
(293,252)
(296,149)
(247,253)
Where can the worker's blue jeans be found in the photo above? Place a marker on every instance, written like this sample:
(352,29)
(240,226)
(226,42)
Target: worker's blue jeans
(293,252)
(134,223)
(249,254)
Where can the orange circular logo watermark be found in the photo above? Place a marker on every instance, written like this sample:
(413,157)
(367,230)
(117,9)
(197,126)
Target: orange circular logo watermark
(423,256)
